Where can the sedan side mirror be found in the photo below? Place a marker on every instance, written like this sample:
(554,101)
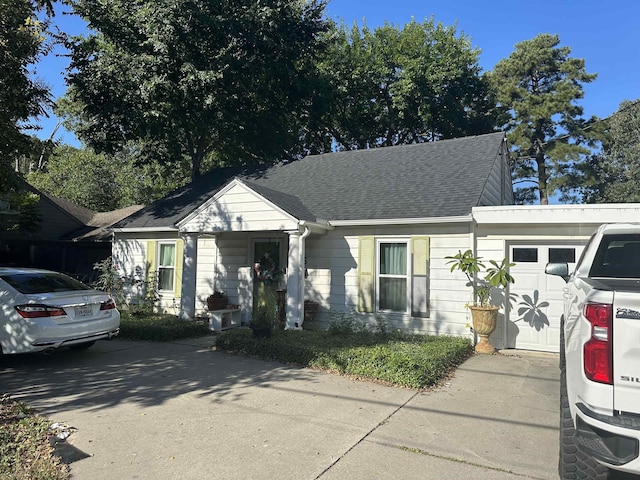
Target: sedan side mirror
(558,269)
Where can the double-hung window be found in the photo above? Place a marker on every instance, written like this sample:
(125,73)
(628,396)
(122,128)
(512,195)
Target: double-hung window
(392,276)
(166,266)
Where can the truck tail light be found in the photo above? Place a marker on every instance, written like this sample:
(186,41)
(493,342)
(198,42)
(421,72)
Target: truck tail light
(598,351)
(32,310)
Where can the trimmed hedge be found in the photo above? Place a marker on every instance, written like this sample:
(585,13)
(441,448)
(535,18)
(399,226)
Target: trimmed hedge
(415,361)
(159,327)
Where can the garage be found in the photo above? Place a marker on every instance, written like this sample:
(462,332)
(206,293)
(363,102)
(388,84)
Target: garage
(532,236)
(536,298)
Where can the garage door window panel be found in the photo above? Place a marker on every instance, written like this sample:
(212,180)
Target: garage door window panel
(562,255)
(525,255)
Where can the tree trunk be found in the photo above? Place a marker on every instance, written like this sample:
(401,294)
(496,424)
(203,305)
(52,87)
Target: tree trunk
(543,179)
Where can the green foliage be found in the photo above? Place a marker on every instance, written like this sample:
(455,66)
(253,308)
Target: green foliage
(139,296)
(539,84)
(156,327)
(103,182)
(23,213)
(109,280)
(395,86)
(348,322)
(497,275)
(29,217)
(613,175)
(25,452)
(185,81)
(265,313)
(345,323)
(22,41)
(414,361)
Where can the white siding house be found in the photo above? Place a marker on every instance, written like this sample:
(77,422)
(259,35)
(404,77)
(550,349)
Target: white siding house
(365,232)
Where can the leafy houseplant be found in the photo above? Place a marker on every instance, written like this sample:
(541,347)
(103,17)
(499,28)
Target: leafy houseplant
(483,313)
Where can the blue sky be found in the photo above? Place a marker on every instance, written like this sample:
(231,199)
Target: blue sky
(604,33)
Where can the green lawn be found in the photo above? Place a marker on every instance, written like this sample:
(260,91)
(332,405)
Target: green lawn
(416,361)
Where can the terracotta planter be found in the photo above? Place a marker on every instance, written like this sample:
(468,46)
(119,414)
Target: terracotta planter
(484,324)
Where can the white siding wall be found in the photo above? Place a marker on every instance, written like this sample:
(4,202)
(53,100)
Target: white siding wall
(233,254)
(240,210)
(206,266)
(333,275)
(130,255)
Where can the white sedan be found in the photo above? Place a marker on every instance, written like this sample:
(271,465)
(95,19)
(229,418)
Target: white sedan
(42,310)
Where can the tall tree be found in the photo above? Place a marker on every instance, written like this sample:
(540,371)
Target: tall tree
(396,85)
(103,182)
(22,95)
(613,175)
(539,83)
(195,79)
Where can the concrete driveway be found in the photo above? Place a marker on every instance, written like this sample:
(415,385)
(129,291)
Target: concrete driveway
(164,411)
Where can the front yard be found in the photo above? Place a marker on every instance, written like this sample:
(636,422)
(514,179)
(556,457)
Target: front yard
(412,361)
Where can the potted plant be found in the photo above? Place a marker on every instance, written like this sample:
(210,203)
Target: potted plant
(217,301)
(264,315)
(483,313)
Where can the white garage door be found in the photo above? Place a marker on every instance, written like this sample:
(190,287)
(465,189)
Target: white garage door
(536,298)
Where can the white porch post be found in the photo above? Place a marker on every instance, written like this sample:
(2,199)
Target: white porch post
(189,272)
(295,276)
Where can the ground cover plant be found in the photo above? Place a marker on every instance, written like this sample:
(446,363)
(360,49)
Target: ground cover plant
(159,327)
(415,361)
(25,451)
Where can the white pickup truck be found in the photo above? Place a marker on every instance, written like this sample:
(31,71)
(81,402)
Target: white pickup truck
(600,357)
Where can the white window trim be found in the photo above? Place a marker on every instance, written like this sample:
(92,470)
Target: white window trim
(406,276)
(173,267)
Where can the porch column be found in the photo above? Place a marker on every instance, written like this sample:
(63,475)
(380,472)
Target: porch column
(295,276)
(189,271)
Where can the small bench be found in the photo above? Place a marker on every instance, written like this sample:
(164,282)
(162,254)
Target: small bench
(224,319)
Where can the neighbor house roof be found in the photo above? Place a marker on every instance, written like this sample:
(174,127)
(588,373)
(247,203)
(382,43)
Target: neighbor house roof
(94,224)
(97,226)
(437,179)
(63,220)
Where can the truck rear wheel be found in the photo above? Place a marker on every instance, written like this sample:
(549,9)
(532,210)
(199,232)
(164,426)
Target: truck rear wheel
(573,463)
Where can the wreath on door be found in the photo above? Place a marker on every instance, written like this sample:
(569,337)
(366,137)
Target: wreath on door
(266,269)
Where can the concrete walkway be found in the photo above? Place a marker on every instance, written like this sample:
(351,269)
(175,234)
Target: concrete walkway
(165,411)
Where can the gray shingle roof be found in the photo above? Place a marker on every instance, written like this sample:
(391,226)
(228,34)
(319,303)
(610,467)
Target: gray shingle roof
(437,179)
(169,210)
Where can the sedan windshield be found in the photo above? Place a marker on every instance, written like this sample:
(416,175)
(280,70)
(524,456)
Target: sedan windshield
(30,283)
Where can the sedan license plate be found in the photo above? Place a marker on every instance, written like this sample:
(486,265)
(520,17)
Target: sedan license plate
(83,311)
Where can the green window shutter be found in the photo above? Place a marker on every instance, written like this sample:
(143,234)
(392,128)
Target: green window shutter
(366,273)
(151,259)
(177,285)
(420,277)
